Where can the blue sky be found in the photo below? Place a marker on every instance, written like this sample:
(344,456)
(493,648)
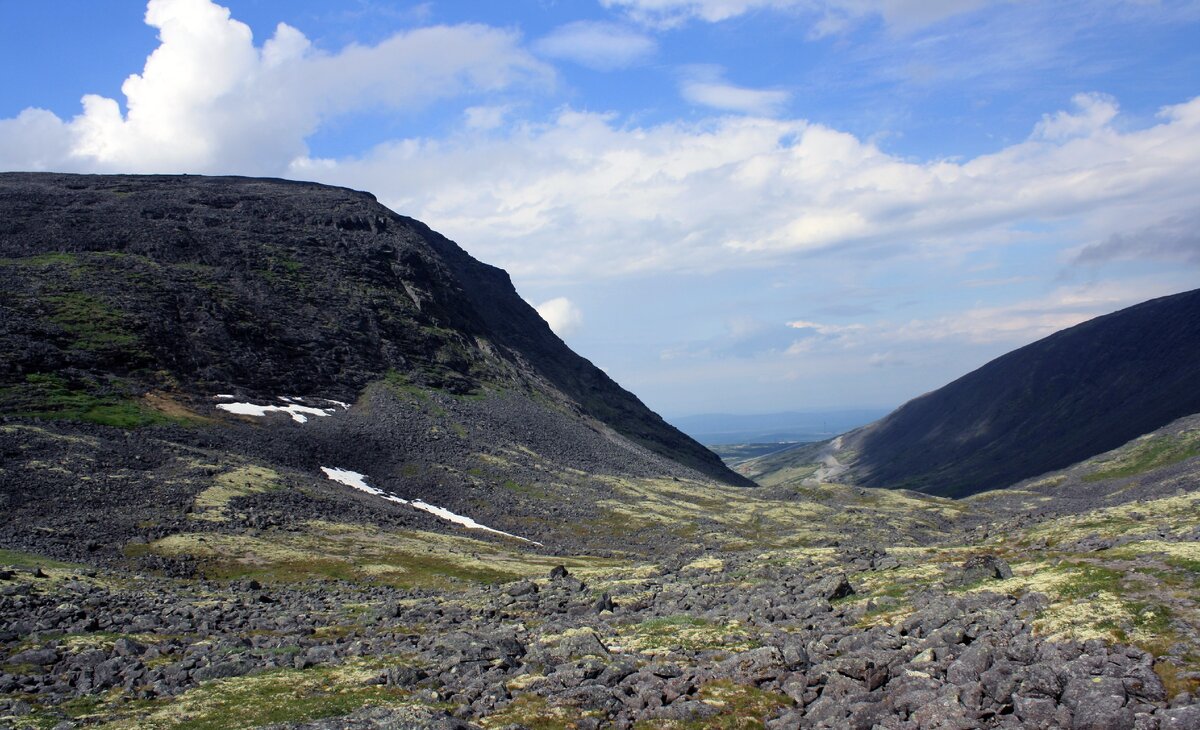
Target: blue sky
(730,205)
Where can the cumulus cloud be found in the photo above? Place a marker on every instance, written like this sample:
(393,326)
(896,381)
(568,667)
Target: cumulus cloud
(598,45)
(1092,113)
(705,86)
(743,191)
(208,99)
(562,315)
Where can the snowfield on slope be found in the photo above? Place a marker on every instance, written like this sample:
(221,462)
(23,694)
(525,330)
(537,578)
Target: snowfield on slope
(294,408)
(359,482)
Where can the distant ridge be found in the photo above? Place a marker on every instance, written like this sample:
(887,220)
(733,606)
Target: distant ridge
(1048,405)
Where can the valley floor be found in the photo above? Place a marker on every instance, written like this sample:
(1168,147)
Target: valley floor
(1066,602)
(1051,625)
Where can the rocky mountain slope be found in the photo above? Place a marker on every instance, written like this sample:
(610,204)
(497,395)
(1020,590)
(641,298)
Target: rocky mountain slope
(1045,406)
(273,457)
(213,315)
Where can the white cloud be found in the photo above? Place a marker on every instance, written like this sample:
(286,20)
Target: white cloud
(825,329)
(484,118)
(602,46)
(832,15)
(209,100)
(562,315)
(1093,113)
(581,195)
(705,87)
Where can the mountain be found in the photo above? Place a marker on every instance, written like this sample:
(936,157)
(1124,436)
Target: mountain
(272,456)
(1048,405)
(159,303)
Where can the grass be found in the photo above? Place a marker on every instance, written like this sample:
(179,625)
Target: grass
(1087,579)
(52,397)
(400,384)
(18,559)
(684,632)
(1152,453)
(282,696)
(357,553)
(93,323)
(536,713)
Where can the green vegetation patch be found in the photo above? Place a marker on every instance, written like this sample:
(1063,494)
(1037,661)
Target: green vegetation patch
(18,559)
(686,633)
(284,696)
(42,260)
(358,553)
(94,323)
(1148,454)
(213,503)
(739,707)
(51,396)
(1085,579)
(536,713)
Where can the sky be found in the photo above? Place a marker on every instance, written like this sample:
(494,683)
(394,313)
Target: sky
(733,206)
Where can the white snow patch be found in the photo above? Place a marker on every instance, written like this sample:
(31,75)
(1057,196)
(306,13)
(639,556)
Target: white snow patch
(359,482)
(224,396)
(298,412)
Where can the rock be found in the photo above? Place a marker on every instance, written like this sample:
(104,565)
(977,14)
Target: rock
(832,587)
(521,588)
(44,656)
(1180,718)
(558,572)
(983,567)
(128,647)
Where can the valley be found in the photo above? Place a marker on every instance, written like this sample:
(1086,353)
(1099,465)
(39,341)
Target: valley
(274,456)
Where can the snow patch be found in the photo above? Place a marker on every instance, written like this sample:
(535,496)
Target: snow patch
(359,482)
(294,407)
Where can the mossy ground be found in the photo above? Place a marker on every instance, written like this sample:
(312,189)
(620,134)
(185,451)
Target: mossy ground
(359,553)
(272,697)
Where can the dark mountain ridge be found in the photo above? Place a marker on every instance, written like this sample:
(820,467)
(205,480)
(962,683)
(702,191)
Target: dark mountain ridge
(115,286)
(1048,405)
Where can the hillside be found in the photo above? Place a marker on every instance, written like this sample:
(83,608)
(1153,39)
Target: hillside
(214,315)
(272,456)
(1065,398)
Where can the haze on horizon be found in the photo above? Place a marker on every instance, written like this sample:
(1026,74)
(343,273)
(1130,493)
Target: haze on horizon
(731,206)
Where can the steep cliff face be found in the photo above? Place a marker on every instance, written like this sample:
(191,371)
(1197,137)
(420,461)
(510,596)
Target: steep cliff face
(118,286)
(1058,401)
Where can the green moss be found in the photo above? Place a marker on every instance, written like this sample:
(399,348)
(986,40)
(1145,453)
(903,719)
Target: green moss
(1153,453)
(525,489)
(284,696)
(684,632)
(400,384)
(94,323)
(1086,579)
(46,259)
(53,397)
(18,559)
